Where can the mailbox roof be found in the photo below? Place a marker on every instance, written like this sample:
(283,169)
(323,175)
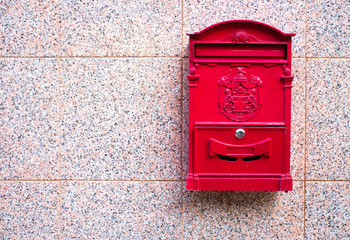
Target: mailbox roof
(241,23)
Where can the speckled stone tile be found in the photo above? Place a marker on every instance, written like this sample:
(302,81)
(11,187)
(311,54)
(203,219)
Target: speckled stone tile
(328,121)
(327,214)
(288,16)
(121,210)
(250,215)
(29,210)
(216,220)
(120,28)
(122,119)
(191,214)
(297,155)
(28,119)
(328,28)
(28,28)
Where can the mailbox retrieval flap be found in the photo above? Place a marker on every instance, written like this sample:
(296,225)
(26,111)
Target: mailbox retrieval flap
(239,108)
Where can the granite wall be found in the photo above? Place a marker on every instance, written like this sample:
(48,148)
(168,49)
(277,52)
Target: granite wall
(93,122)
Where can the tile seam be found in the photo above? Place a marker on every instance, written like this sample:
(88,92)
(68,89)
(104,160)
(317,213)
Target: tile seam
(73,57)
(305,112)
(181,115)
(181,119)
(112,180)
(84,180)
(142,57)
(182,210)
(182,148)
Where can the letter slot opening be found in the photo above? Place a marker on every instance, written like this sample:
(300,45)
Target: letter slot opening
(246,159)
(251,52)
(227,158)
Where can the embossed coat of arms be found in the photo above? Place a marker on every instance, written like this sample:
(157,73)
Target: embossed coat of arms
(239,97)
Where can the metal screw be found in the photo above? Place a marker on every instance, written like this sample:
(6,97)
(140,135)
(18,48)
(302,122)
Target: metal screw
(240,133)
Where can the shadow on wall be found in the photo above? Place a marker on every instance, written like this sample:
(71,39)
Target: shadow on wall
(240,199)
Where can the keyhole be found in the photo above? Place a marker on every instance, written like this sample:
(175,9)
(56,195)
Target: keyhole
(240,133)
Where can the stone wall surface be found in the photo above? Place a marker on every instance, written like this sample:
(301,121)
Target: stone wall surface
(93,122)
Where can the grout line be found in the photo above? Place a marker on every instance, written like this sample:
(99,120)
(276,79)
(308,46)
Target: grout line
(143,57)
(304,211)
(65,57)
(182,155)
(305,119)
(181,119)
(84,180)
(156,180)
(182,211)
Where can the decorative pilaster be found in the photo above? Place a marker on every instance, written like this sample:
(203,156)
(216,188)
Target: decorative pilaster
(286,181)
(193,77)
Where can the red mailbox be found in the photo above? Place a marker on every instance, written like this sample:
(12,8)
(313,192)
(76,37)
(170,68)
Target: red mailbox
(240,108)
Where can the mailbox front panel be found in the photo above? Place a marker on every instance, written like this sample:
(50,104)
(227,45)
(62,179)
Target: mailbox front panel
(239,108)
(229,93)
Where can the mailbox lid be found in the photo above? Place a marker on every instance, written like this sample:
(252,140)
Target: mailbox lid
(238,41)
(218,152)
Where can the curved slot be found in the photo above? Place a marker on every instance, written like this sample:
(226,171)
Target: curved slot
(253,158)
(257,51)
(248,151)
(227,158)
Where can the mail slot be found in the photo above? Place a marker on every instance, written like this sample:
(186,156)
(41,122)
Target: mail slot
(239,108)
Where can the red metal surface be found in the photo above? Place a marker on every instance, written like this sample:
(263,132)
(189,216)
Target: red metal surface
(240,77)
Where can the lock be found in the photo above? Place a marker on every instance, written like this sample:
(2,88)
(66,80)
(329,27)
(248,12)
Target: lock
(240,133)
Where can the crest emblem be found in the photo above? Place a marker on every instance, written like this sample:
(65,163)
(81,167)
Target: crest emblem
(239,97)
